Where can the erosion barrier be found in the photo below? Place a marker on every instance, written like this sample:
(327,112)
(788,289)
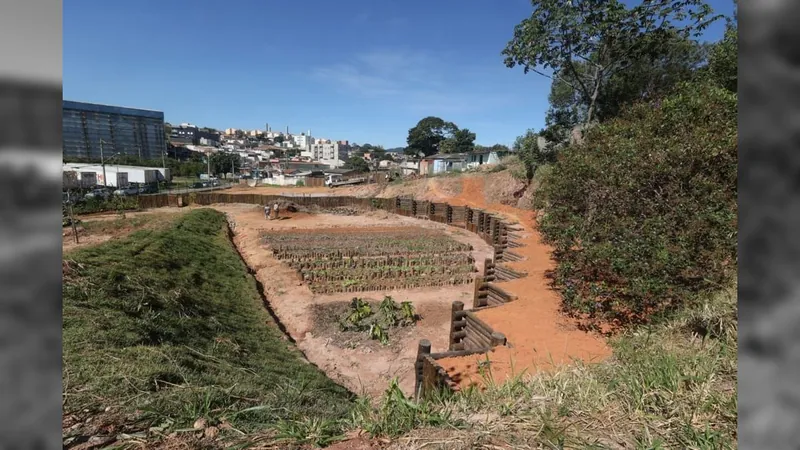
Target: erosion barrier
(468,336)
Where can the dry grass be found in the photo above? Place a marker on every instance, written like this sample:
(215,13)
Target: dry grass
(669,386)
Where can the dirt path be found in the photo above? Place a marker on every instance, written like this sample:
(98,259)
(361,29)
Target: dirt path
(542,338)
(367,368)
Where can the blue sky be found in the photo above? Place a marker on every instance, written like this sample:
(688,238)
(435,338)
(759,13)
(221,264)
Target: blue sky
(365,71)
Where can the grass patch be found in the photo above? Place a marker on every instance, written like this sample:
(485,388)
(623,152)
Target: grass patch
(168,324)
(672,385)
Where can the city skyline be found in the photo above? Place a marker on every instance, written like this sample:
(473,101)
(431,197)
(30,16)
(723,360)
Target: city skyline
(351,70)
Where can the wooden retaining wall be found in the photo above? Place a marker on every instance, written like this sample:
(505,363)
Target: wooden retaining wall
(468,332)
(498,272)
(489,294)
(468,336)
(430,376)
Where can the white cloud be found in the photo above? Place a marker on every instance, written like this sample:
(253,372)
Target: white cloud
(417,81)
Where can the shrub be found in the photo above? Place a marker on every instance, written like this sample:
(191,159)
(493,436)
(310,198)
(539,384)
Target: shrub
(114,203)
(643,214)
(361,316)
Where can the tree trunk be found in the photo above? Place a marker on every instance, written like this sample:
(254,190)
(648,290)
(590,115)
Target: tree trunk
(593,98)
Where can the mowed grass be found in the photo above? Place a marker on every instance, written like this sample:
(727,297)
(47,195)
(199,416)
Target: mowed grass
(672,385)
(166,325)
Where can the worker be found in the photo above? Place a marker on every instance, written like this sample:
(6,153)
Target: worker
(266,213)
(275,209)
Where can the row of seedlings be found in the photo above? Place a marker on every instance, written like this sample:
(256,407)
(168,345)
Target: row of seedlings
(351,285)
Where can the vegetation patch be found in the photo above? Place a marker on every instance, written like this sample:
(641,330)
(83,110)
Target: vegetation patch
(362,319)
(373,259)
(643,215)
(96,205)
(166,327)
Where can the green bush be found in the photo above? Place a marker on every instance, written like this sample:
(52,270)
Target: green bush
(643,216)
(114,203)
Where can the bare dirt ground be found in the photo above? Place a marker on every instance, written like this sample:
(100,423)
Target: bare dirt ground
(366,368)
(96,229)
(542,338)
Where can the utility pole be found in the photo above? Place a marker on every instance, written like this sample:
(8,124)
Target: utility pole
(72,218)
(164,166)
(103,163)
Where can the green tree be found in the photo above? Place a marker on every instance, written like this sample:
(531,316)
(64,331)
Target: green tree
(279,139)
(532,156)
(462,141)
(357,163)
(222,162)
(673,59)
(723,61)
(428,134)
(584,43)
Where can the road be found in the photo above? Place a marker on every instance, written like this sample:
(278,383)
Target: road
(189,190)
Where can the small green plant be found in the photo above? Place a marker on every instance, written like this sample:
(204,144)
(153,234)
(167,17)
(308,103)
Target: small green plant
(360,311)
(310,430)
(408,314)
(378,333)
(389,309)
(397,414)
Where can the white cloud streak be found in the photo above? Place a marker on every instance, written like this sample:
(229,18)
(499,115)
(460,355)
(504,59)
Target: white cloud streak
(414,80)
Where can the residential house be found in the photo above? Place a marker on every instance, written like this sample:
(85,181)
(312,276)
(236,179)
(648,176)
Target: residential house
(480,157)
(441,163)
(409,167)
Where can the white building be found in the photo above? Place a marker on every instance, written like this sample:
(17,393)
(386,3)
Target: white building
(328,152)
(302,141)
(118,175)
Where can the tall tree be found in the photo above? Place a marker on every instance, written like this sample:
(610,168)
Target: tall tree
(357,163)
(584,43)
(428,134)
(649,75)
(222,162)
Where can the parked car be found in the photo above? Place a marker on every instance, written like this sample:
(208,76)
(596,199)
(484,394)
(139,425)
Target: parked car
(127,191)
(98,194)
(147,189)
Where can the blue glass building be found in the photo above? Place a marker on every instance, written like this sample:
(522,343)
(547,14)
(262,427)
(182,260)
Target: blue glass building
(128,131)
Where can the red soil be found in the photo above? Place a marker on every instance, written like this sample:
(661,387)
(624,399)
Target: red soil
(541,338)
